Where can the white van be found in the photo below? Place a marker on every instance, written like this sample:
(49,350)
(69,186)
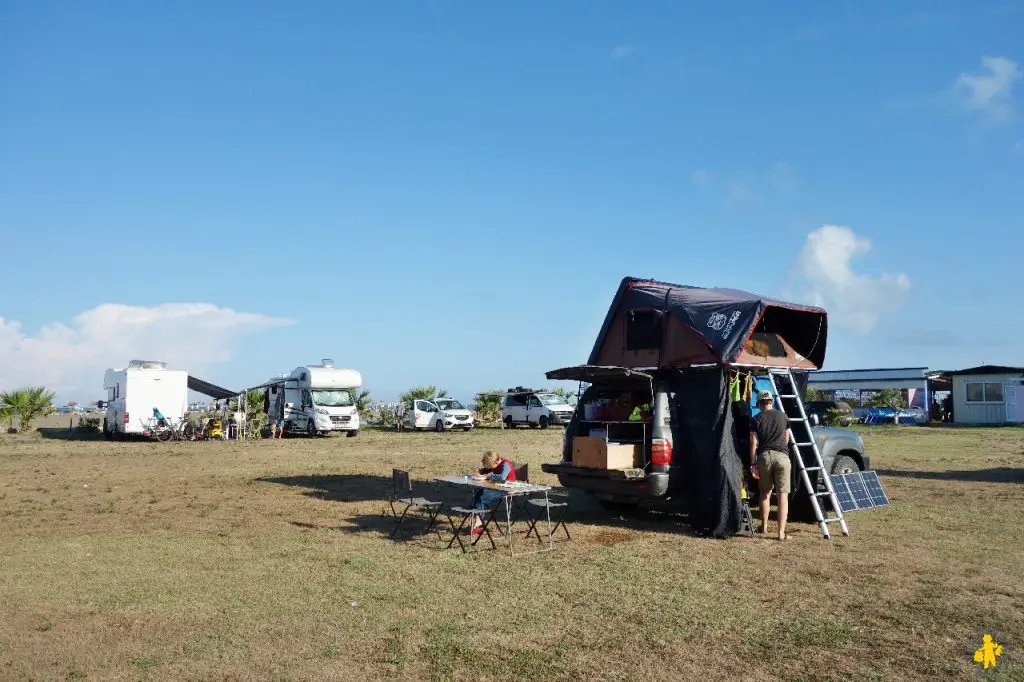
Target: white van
(134,391)
(315,399)
(535,408)
(439,414)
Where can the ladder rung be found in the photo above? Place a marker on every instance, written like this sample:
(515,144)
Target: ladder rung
(805,444)
(787,395)
(824,494)
(812,468)
(797,419)
(834,519)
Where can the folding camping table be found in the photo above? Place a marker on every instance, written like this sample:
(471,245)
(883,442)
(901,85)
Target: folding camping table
(511,489)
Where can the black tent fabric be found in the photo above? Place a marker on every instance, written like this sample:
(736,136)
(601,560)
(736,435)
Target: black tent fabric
(211,390)
(723,319)
(704,449)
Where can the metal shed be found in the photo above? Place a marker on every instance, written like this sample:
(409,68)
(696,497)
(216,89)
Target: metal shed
(989,394)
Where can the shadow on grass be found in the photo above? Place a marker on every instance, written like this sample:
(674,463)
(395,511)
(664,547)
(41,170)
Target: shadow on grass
(59,433)
(582,509)
(995,475)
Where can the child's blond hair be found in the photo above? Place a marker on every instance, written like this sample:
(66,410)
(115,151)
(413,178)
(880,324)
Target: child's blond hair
(491,459)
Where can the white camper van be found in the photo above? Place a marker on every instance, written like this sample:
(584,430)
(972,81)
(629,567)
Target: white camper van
(315,399)
(134,391)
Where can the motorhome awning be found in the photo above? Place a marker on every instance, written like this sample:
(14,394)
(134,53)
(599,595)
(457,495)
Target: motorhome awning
(208,389)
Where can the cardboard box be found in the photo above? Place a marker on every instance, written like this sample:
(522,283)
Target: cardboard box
(596,453)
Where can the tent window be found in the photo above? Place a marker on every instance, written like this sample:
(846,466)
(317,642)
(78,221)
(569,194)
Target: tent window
(644,329)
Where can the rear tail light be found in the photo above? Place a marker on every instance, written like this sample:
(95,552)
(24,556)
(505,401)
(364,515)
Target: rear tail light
(126,419)
(661,452)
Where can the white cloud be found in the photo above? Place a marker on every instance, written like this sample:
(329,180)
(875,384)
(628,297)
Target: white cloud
(825,277)
(989,93)
(71,358)
(621,52)
(702,177)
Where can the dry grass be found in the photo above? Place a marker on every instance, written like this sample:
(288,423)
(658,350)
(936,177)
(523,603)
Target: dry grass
(269,561)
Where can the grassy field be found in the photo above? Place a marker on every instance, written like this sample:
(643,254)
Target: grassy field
(269,560)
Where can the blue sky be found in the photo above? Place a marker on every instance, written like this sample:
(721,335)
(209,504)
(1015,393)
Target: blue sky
(449,193)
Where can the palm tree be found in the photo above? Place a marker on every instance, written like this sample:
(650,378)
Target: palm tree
(423,393)
(28,404)
(361,399)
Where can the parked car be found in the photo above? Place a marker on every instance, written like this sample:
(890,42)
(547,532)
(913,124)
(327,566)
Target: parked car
(652,477)
(534,408)
(439,414)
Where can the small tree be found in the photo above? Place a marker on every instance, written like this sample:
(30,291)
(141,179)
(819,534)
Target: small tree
(889,397)
(255,413)
(488,406)
(814,395)
(568,396)
(361,399)
(27,404)
(423,393)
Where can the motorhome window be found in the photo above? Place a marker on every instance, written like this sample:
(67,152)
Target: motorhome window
(450,405)
(551,399)
(333,397)
(643,329)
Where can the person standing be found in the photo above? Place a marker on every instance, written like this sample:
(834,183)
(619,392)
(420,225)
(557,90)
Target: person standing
(770,437)
(400,416)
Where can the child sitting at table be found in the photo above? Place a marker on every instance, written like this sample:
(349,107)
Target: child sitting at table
(496,469)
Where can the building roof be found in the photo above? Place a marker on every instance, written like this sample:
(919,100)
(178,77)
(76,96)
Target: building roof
(989,369)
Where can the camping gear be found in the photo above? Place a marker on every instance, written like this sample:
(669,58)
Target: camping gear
(658,324)
(792,405)
(403,496)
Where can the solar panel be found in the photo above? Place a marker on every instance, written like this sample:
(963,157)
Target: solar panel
(846,502)
(874,488)
(859,490)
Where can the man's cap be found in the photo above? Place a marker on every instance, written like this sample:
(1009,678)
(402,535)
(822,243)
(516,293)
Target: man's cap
(765,397)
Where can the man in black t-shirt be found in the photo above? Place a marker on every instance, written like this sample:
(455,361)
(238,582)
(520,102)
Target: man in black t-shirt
(770,437)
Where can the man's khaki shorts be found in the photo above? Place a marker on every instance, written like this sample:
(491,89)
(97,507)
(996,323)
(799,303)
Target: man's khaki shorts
(774,467)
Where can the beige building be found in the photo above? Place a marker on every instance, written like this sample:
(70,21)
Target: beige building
(989,394)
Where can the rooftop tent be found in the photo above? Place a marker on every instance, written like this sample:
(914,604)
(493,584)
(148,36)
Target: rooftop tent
(208,389)
(657,324)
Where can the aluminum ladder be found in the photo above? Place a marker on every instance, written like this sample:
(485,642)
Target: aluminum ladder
(792,405)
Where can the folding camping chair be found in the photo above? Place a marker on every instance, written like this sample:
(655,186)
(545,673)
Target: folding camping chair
(468,513)
(545,507)
(403,496)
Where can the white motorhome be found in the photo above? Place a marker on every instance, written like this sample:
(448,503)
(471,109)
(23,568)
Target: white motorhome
(134,391)
(315,399)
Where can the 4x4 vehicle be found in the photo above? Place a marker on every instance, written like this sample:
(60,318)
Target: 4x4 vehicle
(655,478)
(535,408)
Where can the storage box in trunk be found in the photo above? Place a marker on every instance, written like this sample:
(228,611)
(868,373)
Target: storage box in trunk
(597,453)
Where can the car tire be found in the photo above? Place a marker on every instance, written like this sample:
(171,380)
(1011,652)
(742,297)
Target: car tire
(543,422)
(844,464)
(352,434)
(439,426)
(508,422)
